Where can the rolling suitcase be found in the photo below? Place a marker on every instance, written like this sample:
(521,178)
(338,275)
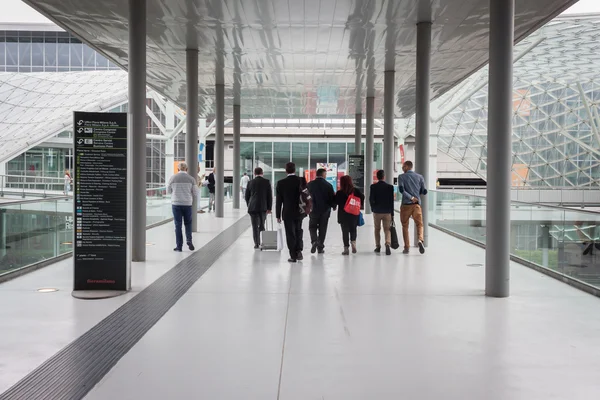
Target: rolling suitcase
(269,240)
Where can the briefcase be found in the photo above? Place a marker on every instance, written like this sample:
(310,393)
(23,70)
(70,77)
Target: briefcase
(395,242)
(269,238)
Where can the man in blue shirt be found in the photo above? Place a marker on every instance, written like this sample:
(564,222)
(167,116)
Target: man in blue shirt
(411,186)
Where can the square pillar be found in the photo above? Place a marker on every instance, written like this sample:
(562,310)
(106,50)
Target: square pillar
(369,151)
(389,104)
(220,151)
(236,156)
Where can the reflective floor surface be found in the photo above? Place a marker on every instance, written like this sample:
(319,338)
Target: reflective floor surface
(360,327)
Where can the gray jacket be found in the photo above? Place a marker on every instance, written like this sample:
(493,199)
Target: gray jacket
(182,188)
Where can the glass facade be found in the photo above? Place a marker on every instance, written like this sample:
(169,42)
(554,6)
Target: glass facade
(272,156)
(556,120)
(38,51)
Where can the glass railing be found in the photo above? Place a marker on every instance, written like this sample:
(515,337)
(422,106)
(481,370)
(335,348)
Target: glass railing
(34,231)
(563,240)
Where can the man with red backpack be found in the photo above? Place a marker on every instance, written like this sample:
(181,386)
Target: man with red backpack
(289,193)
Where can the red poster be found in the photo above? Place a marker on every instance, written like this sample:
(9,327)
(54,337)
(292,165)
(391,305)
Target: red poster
(402,154)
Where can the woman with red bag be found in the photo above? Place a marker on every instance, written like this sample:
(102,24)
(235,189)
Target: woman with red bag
(349,201)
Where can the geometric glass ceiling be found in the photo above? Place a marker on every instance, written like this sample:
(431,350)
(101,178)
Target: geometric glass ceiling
(556,122)
(35,107)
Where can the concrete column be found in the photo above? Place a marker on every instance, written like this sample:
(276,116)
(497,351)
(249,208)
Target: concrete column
(357,133)
(191,122)
(389,104)
(546,240)
(370,135)
(423,112)
(500,114)
(236,156)
(220,150)
(137,128)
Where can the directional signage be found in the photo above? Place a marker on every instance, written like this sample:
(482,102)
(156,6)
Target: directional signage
(356,170)
(100,202)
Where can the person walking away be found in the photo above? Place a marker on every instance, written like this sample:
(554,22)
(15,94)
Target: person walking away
(348,222)
(411,186)
(259,199)
(68,182)
(244,184)
(323,200)
(182,188)
(382,205)
(287,208)
(211,190)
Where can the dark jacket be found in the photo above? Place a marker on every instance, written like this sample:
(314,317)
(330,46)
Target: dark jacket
(211,182)
(323,197)
(259,195)
(340,199)
(382,198)
(288,197)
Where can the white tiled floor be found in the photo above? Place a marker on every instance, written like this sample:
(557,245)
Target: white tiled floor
(365,327)
(34,326)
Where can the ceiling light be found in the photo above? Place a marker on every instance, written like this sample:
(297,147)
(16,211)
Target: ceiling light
(47,290)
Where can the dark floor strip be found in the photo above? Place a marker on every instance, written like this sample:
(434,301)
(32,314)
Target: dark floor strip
(76,369)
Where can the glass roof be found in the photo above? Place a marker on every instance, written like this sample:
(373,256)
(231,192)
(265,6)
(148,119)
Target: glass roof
(36,107)
(556,125)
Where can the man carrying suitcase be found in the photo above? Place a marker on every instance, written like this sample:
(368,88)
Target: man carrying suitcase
(259,199)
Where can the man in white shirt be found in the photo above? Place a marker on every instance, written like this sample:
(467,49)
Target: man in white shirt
(244,184)
(182,188)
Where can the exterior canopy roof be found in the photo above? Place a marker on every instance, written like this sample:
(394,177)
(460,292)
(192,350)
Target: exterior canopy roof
(36,107)
(290,59)
(556,125)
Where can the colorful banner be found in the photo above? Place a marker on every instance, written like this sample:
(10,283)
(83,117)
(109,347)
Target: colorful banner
(332,174)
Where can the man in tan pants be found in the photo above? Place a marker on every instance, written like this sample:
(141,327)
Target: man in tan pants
(382,205)
(411,186)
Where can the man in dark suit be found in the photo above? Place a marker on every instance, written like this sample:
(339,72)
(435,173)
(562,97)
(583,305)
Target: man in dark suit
(259,198)
(211,190)
(323,200)
(382,205)
(288,197)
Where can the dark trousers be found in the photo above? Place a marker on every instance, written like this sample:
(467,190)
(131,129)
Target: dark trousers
(348,232)
(258,225)
(182,213)
(318,228)
(293,234)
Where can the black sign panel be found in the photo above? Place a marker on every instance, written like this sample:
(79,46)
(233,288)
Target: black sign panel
(100,201)
(356,170)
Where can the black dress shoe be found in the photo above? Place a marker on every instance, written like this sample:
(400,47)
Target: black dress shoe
(321,251)
(256,246)
(378,249)
(388,252)
(191,246)
(299,257)
(177,249)
(313,249)
(291,260)
(421,247)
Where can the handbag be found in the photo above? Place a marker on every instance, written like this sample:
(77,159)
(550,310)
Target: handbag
(361,219)
(352,205)
(395,243)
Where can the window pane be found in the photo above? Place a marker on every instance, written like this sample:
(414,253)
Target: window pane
(281,154)
(101,61)
(37,52)
(318,154)
(263,156)
(337,155)
(50,56)
(12,51)
(63,52)
(89,58)
(300,155)
(246,155)
(2,57)
(25,53)
(76,55)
